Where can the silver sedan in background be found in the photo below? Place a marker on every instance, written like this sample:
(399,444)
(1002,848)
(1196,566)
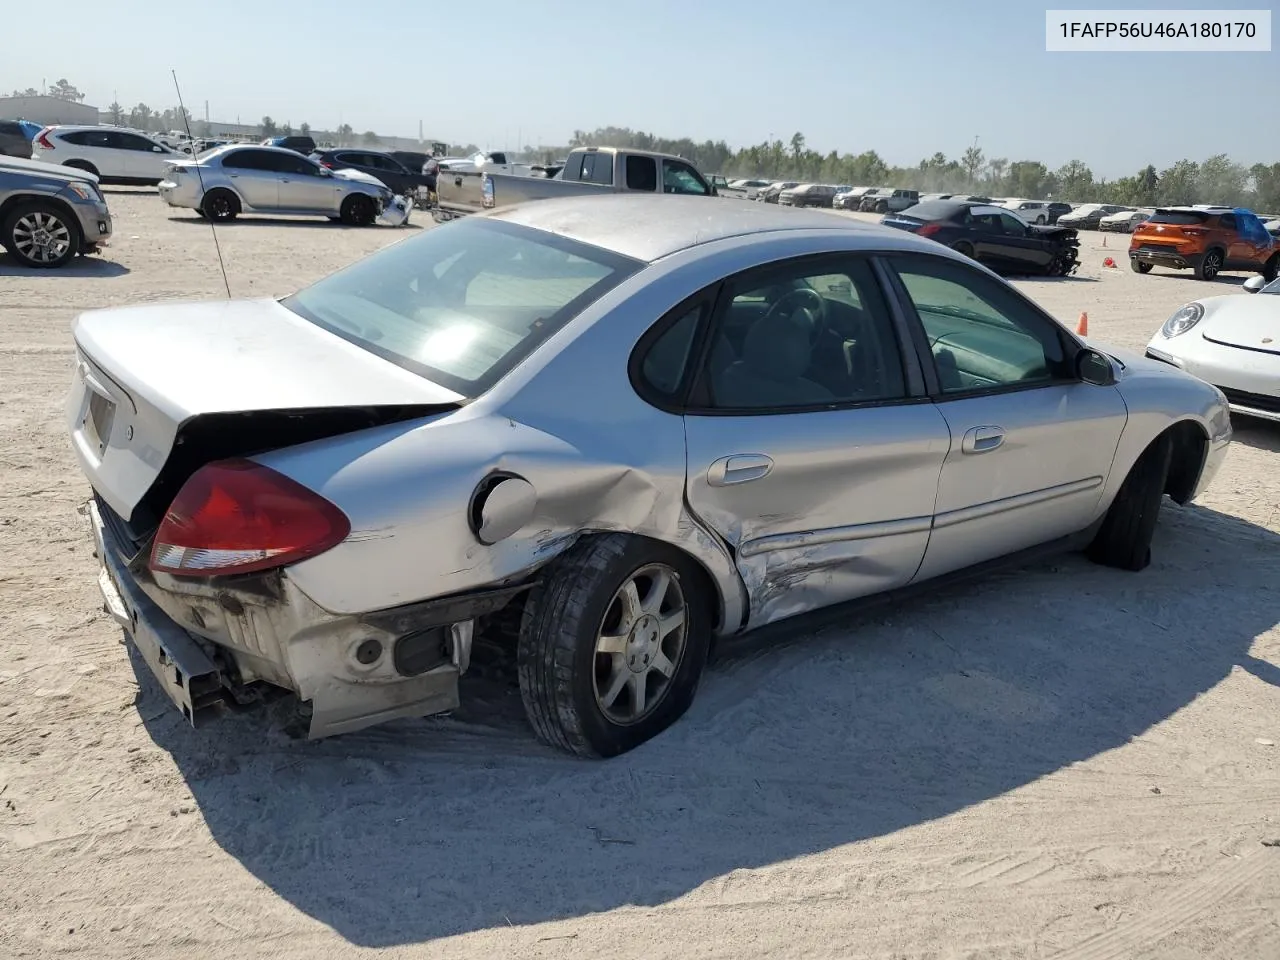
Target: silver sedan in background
(606,432)
(224,182)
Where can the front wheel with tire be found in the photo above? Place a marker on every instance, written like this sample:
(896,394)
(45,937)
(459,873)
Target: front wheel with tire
(38,234)
(1209,266)
(612,644)
(1124,539)
(964,248)
(1040,221)
(1138,266)
(220,206)
(358,210)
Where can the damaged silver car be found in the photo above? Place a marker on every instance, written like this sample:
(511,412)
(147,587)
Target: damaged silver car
(625,426)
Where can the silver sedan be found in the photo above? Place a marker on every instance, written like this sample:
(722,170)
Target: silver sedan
(224,182)
(606,432)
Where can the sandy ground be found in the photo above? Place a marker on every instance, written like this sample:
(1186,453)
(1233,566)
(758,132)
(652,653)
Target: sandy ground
(1060,761)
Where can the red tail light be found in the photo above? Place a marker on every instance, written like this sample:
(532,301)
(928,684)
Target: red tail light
(327,163)
(43,139)
(236,516)
(928,229)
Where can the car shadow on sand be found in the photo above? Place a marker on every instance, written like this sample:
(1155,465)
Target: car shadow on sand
(423,829)
(1256,433)
(93,267)
(253,220)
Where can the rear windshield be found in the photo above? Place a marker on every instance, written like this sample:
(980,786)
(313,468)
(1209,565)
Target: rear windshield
(933,210)
(463,304)
(1184,218)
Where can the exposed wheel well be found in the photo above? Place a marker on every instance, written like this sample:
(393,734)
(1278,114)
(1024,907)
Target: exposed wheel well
(506,622)
(1190,444)
(82,165)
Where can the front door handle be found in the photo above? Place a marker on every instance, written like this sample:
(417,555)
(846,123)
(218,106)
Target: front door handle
(982,439)
(738,469)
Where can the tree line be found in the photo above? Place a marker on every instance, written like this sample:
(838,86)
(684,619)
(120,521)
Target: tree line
(1217,179)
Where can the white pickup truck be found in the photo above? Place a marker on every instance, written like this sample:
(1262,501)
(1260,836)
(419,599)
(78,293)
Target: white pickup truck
(587,171)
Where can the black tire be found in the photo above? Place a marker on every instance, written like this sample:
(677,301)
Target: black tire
(40,234)
(84,165)
(1040,220)
(220,205)
(1210,265)
(358,211)
(882,208)
(1271,269)
(964,248)
(1138,266)
(1124,539)
(556,654)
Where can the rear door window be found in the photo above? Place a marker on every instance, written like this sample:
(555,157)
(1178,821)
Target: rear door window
(597,168)
(642,173)
(245,160)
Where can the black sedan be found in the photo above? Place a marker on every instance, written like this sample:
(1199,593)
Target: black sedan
(992,235)
(385,167)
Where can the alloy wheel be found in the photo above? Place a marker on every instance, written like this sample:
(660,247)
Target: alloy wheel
(41,237)
(640,644)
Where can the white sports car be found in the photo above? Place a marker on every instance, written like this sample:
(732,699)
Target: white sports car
(1233,342)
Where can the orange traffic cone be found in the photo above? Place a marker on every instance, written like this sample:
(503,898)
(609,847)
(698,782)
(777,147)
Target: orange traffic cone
(1082,325)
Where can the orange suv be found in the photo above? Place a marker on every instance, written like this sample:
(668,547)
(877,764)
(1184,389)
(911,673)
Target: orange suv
(1207,240)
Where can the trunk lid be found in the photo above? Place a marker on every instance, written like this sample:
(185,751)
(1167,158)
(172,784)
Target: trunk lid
(256,374)
(1250,321)
(1172,228)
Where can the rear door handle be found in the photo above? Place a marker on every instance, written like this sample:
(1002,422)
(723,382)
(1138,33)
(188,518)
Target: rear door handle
(739,468)
(982,439)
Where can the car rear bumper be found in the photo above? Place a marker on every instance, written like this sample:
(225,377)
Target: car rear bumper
(1165,257)
(208,643)
(179,194)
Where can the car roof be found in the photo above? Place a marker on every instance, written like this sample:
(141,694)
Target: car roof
(648,228)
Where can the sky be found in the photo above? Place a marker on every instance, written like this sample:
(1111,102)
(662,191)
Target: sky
(905,79)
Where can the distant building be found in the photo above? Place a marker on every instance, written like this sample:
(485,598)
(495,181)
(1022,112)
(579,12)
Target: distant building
(47,110)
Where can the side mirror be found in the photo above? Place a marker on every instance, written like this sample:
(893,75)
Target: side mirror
(1254,284)
(1094,366)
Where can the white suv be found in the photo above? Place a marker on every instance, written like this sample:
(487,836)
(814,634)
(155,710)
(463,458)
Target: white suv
(116,155)
(1032,211)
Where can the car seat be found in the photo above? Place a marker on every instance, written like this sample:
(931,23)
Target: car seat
(776,354)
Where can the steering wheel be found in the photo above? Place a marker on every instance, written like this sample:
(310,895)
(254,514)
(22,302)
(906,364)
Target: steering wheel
(809,311)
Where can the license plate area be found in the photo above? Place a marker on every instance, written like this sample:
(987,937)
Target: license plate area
(98,419)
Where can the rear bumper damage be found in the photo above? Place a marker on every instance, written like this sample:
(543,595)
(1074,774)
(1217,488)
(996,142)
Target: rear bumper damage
(231,639)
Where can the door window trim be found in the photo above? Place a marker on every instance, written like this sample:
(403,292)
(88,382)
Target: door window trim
(691,400)
(707,300)
(920,340)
